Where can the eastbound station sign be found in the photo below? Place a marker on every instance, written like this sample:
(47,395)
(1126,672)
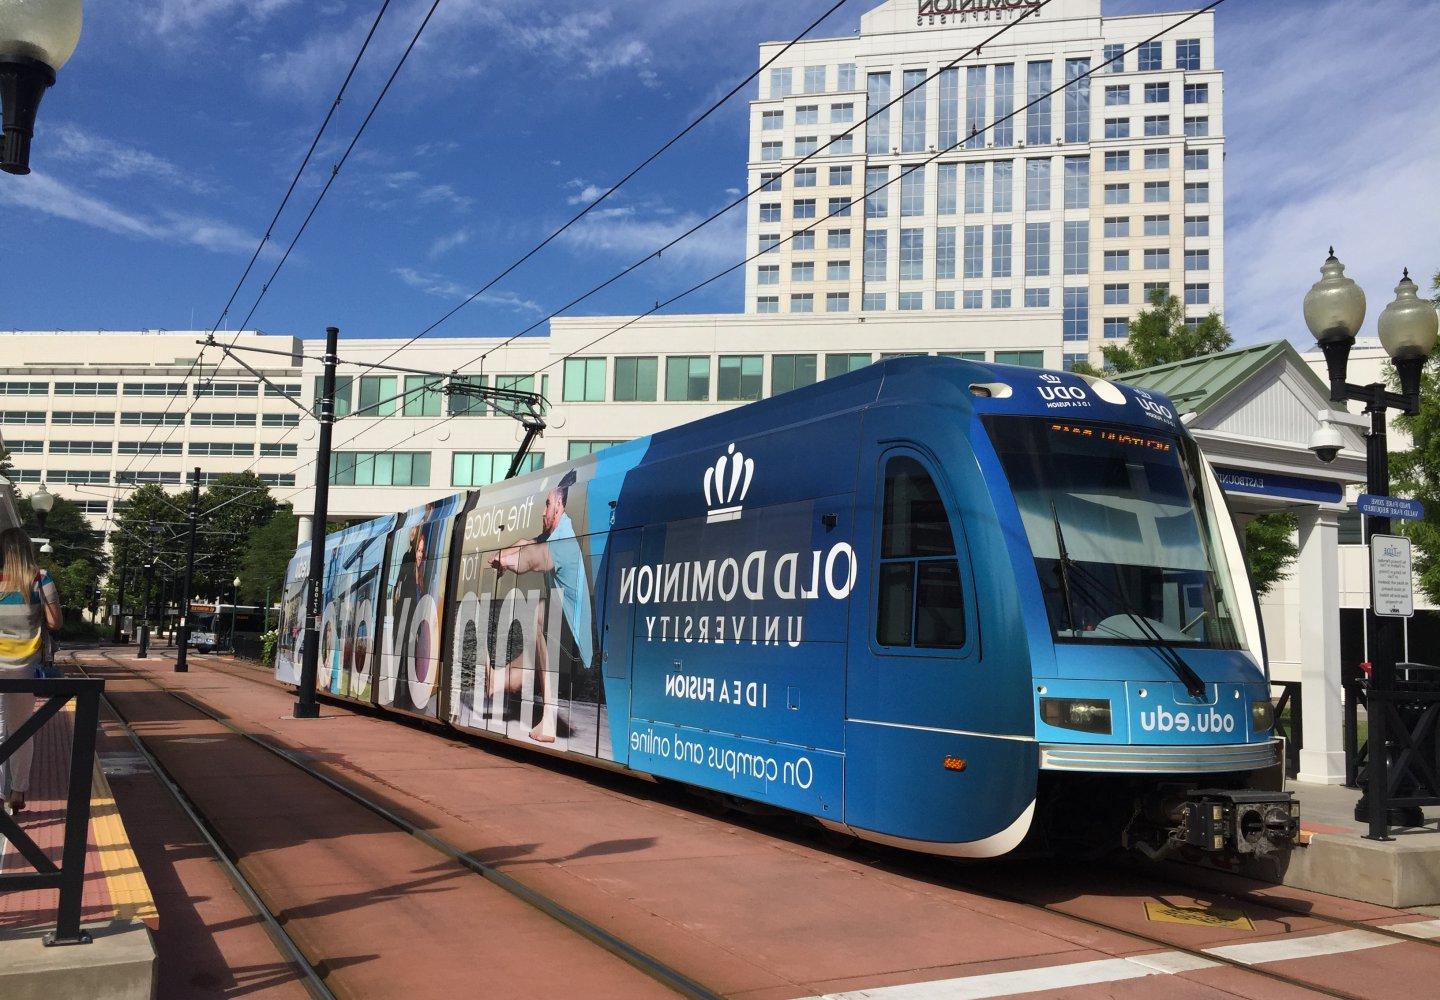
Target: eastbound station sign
(1392,593)
(1396,508)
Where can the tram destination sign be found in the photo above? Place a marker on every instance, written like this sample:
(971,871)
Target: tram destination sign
(1396,508)
(941,12)
(1392,593)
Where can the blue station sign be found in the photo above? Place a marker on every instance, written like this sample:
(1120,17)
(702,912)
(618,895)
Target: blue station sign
(1396,508)
(1271,484)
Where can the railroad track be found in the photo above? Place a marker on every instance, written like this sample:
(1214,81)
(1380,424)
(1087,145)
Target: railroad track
(587,929)
(933,870)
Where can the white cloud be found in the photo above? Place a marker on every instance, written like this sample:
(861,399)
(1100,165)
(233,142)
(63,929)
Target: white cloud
(42,193)
(630,234)
(586,194)
(446,288)
(107,158)
(444,194)
(179,19)
(1326,147)
(444,244)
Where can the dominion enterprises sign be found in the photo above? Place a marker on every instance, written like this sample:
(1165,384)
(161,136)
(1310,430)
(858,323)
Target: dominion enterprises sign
(971,11)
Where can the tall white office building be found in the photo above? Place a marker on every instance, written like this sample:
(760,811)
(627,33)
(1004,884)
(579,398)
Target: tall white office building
(999,198)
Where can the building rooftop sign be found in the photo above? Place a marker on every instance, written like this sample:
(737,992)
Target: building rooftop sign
(942,12)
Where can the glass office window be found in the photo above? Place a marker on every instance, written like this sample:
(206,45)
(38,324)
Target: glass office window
(687,379)
(1002,186)
(635,379)
(1077,100)
(741,377)
(1038,114)
(912,112)
(945,253)
(840,364)
(584,380)
(791,371)
(1003,134)
(877,129)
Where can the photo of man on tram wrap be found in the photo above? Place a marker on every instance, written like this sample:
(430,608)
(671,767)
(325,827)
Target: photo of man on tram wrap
(524,656)
(563,649)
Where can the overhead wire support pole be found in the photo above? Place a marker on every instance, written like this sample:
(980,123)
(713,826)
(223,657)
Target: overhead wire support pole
(182,661)
(307,707)
(143,648)
(227,352)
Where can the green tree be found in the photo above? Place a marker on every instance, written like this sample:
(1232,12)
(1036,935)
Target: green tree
(1416,472)
(230,510)
(1159,336)
(69,532)
(268,551)
(75,581)
(150,522)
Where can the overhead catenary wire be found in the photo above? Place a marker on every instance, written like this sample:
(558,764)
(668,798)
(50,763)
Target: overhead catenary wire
(299,171)
(760,188)
(838,212)
(904,171)
(340,164)
(329,181)
(479,359)
(608,192)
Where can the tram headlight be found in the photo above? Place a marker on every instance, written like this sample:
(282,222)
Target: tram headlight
(1262,716)
(1087,715)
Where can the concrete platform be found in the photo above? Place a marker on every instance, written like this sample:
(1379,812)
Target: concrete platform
(1338,860)
(116,903)
(119,964)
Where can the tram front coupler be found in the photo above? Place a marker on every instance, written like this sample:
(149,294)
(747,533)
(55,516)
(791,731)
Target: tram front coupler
(1237,823)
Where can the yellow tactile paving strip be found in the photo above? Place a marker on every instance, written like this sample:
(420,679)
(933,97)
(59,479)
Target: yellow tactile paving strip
(129,892)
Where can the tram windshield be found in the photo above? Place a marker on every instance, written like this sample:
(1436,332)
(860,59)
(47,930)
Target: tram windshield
(1117,524)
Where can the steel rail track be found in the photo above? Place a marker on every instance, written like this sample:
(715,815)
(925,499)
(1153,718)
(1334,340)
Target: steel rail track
(932,870)
(310,976)
(644,962)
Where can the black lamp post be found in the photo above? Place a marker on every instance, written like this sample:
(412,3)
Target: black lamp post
(37,37)
(1334,311)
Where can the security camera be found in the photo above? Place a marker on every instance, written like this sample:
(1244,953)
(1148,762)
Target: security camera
(1326,442)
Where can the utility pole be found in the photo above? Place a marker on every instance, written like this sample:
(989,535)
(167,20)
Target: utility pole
(182,662)
(144,641)
(120,601)
(307,707)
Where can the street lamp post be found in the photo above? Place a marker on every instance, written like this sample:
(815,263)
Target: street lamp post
(37,37)
(1334,310)
(42,502)
(234,610)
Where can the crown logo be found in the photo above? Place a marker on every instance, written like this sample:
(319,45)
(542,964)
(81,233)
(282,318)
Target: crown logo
(1052,379)
(726,484)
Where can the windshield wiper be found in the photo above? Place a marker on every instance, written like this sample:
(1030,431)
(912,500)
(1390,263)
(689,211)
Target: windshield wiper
(1062,569)
(1192,681)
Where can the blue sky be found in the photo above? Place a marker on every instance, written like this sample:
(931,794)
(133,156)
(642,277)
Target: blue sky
(171,135)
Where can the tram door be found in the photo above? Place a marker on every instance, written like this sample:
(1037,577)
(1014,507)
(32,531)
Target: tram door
(912,681)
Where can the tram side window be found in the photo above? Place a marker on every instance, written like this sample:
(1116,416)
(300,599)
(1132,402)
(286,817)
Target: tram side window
(921,603)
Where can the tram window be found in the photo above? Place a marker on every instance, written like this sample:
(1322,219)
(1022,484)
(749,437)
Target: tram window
(921,602)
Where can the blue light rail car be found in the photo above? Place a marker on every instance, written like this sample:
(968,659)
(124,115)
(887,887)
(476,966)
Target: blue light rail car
(934,603)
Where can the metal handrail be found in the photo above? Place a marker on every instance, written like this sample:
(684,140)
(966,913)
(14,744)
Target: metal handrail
(69,875)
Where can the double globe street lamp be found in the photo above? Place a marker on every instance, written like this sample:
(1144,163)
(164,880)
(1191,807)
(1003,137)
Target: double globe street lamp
(1334,311)
(37,37)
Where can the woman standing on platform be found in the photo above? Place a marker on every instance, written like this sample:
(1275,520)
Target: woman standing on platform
(28,604)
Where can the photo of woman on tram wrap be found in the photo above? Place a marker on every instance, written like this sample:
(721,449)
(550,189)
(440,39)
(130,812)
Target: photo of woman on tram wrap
(414,607)
(563,650)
